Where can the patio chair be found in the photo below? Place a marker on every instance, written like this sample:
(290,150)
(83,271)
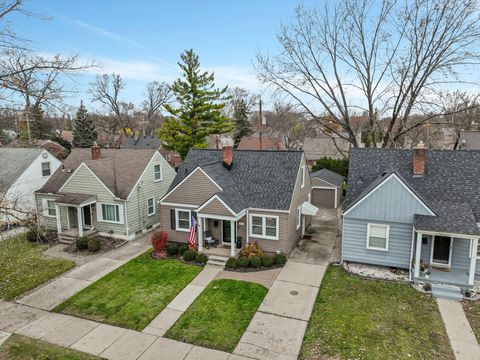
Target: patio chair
(209,240)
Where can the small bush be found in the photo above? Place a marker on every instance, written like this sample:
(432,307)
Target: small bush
(255,261)
(94,244)
(267,261)
(172,249)
(232,263)
(189,255)
(81,243)
(251,249)
(32,236)
(201,258)
(279,259)
(159,241)
(182,249)
(243,261)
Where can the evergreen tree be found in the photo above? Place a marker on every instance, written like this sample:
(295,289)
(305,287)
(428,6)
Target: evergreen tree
(243,126)
(38,128)
(84,132)
(199,111)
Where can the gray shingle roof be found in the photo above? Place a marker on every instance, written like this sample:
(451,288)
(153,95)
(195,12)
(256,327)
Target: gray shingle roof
(451,178)
(142,142)
(258,179)
(328,176)
(14,161)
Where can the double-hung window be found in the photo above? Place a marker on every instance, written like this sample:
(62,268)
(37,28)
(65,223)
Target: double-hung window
(51,210)
(264,226)
(377,237)
(157,172)
(111,213)
(46,169)
(299,217)
(151,206)
(183,218)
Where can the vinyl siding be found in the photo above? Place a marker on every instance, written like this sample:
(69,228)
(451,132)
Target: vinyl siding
(46,221)
(283,242)
(215,207)
(173,235)
(137,215)
(460,253)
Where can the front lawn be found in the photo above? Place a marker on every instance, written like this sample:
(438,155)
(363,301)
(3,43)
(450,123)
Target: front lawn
(472,310)
(219,316)
(354,318)
(23,266)
(132,295)
(21,348)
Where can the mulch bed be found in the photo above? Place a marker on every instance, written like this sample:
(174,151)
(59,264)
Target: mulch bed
(175,257)
(250,269)
(107,245)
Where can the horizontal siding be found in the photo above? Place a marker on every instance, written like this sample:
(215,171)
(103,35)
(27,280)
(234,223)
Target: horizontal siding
(197,189)
(355,244)
(460,252)
(283,242)
(46,221)
(173,235)
(215,207)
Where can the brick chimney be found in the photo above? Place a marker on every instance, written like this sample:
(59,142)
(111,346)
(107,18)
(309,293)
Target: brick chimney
(419,159)
(96,153)
(227,153)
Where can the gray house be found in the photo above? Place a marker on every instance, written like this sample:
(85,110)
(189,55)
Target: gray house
(417,210)
(326,189)
(110,191)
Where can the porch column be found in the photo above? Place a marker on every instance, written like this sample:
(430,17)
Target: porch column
(80,222)
(418,249)
(232,237)
(200,233)
(473,260)
(59,221)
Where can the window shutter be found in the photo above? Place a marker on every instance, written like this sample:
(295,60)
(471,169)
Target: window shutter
(172,219)
(194,214)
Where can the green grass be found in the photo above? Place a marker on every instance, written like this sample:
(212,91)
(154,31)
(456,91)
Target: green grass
(21,348)
(472,310)
(354,318)
(132,295)
(23,266)
(219,316)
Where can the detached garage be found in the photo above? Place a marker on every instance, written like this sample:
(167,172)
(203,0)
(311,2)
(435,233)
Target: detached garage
(326,189)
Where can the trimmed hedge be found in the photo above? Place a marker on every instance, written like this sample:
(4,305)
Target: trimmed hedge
(81,243)
(172,249)
(232,263)
(94,244)
(189,255)
(279,259)
(201,258)
(267,261)
(182,249)
(255,261)
(243,262)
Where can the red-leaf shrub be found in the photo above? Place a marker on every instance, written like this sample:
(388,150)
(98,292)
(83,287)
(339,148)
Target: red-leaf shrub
(159,241)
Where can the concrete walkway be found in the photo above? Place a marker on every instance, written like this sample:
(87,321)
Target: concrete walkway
(54,293)
(462,338)
(277,328)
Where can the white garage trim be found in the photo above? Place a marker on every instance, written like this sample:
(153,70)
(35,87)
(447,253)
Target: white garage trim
(329,188)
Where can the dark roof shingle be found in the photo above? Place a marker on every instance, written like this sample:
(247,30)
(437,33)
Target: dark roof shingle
(328,176)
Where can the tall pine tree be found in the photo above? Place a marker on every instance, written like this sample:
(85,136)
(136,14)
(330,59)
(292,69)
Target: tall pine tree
(243,126)
(199,111)
(84,132)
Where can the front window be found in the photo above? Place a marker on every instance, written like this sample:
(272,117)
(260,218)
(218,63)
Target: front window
(110,213)
(183,220)
(151,206)
(157,172)
(263,226)
(46,169)
(378,237)
(51,208)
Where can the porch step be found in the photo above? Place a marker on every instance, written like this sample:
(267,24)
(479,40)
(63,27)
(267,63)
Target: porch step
(447,292)
(217,260)
(69,238)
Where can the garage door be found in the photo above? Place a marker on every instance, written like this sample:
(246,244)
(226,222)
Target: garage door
(323,198)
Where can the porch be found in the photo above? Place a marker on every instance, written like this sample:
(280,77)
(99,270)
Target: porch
(218,235)
(75,215)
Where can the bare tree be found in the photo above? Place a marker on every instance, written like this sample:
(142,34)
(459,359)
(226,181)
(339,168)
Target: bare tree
(238,94)
(157,95)
(383,57)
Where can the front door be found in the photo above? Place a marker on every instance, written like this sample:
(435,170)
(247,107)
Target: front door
(72,218)
(226,231)
(87,215)
(441,250)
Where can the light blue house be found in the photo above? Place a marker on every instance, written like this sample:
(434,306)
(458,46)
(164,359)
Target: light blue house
(418,210)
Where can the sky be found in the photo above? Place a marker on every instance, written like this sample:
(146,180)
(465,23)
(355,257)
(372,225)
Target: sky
(142,40)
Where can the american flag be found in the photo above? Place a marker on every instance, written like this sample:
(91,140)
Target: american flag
(192,239)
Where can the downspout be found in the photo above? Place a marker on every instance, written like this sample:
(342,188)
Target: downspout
(411,256)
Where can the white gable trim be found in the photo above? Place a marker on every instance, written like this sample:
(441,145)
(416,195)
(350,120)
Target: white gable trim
(91,172)
(384,181)
(221,201)
(316,177)
(198,168)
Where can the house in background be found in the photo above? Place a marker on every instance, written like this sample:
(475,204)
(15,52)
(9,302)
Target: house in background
(240,196)
(112,191)
(261,141)
(52,147)
(469,140)
(417,210)
(327,190)
(22,171)
(323,146)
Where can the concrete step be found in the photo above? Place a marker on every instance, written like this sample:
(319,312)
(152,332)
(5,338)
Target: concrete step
(216,263)
(447,292)
(218,258)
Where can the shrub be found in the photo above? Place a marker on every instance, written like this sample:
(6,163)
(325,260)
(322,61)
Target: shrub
(81,243)
(32,236)
(159,240)
(279,259)
(189,255)
(201,258)
(267,261)
(182,249)
(94,244)
(255,261)
(243,261)
(232,263)
(172,249)
(252,249)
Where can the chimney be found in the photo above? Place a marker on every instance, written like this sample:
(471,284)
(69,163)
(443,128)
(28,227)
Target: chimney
(419,159)
(96,153)
(227,153)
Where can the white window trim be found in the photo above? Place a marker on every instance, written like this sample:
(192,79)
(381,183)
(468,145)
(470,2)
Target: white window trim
(264,221)
(154,207)
(100,213)
(49,168)
(387,233)
(303,177)
(45,208)
(154,172)
(299,216)
(432,245)
(177,228)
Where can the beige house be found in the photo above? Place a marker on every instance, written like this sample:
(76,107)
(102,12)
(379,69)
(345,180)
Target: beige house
(237,197)
(110,191)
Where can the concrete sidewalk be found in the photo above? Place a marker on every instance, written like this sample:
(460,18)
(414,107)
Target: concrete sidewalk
(462,338)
